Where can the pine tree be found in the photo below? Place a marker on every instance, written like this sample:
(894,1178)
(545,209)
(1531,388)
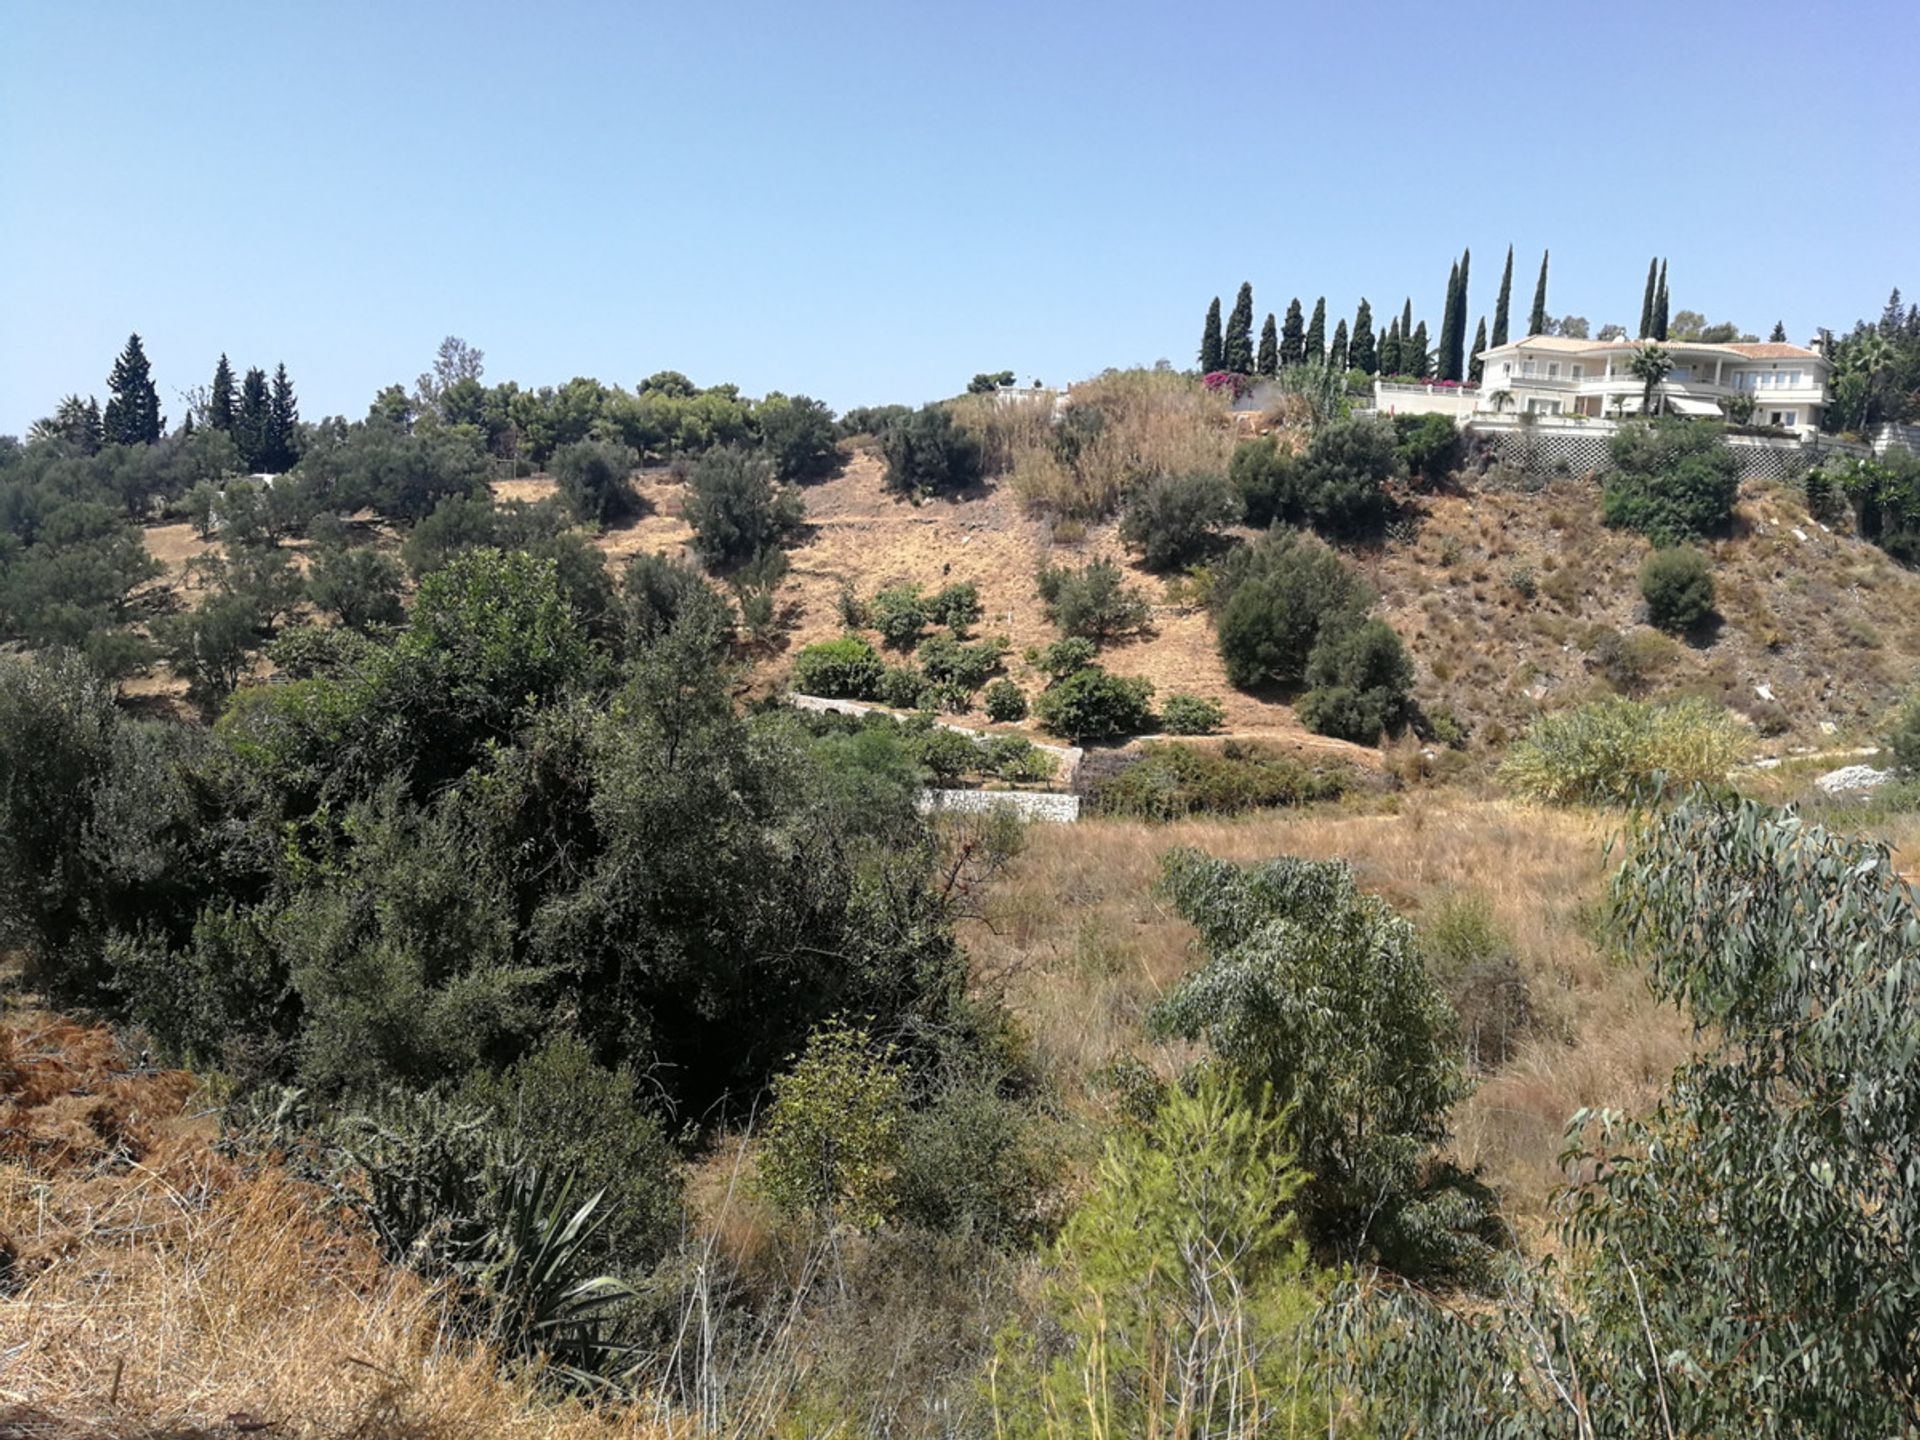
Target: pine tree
(220,397)
(283,424)
(133,410)
(1476,366)
(1210,340)
(1337,354)
(1293,337)
(1449,318)
(1646,302)
(1268,361)
(93,429)
(251,424)
(1537,322)
(1501,306)
(1390,351)
(1361,354)
(1416,354)
(1660,306)
(1237,345)
(1779,336)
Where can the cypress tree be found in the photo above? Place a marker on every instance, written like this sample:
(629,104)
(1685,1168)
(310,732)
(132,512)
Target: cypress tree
(1210,340)
(1293,337)
(93,429)
(1406,321)
(133,409)
(1660,306)
(1646,301)
(250,426)
(1415,354)
(283,424)
(1475,366)
(1537,322)
(1779,336)
(1449,318)
(1390,351)
(1237,348)
(1317,333)
(1361,353)
(1268,361)
(1501,305)
(1337,355)
(1457,348)
(220,398)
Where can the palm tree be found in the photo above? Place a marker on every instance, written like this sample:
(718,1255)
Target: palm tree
(1866,356)
(1651,365)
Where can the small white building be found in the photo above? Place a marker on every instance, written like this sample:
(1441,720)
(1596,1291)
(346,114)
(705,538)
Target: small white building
(1553,375)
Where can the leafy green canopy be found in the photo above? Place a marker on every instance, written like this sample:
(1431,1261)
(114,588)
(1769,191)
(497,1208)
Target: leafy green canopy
(1316,991)
(1740,1261)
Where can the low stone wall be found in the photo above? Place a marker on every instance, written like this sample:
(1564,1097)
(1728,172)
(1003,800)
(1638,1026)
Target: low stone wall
(1027,804)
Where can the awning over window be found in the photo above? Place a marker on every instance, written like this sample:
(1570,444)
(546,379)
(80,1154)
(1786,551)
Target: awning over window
(1688,405)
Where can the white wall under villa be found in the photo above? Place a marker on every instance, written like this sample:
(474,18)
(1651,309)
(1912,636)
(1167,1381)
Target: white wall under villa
(1552,375)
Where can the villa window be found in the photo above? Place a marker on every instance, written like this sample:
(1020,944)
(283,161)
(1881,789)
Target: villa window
(1527,367)
(1553,370)
(1577,371)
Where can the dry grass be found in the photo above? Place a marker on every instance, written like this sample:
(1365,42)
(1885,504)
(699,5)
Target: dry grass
(1085,948)
(157,1288)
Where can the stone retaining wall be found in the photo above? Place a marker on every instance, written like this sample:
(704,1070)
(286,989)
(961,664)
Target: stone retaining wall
(1027,804)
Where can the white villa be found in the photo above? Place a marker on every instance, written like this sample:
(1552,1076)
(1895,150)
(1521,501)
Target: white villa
(1553,375)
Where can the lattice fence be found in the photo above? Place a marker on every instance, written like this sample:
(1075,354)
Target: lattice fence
(1540,452)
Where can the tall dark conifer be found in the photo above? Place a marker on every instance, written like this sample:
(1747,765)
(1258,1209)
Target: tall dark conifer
(1646,300)
(1236,352)
(251,426)
(1475,365)
(133,409)
(1406,321)
(1267,362)
(1293,336)
(1210,339)
(1317,333)
(283,424)
(1537,321)
(1457,346)
(1779,335)
(1660,306)
(1361,353)
(1337,352)
(1503,304)
(1449,319)
(1417,355)
(1390,351)
(220,397)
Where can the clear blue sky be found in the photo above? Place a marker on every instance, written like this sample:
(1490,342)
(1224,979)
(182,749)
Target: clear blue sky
(871,202)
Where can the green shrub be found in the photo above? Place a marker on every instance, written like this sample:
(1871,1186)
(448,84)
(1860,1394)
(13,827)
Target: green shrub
(1265,479)
(844,669)
(1093,602)
(834,1131)
(928,454)
(1006,702)
(799,437)
(1610,751)
(360,587)
(1428,445)
(1360,676)
(1315,992)
(1273,600)
(1674,481)
(1677,585)
(1091,704)
(1016,758)
(902,687)
(1182,714)
(594,480)
(661,591)
(1063,657)
(947,754)
(955,606)
(973,1162)
(737,508)
(1343,476)
(1903,741)
(1474,962)
(1174,519)
(947,662)
(899,613)
(1171,782)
